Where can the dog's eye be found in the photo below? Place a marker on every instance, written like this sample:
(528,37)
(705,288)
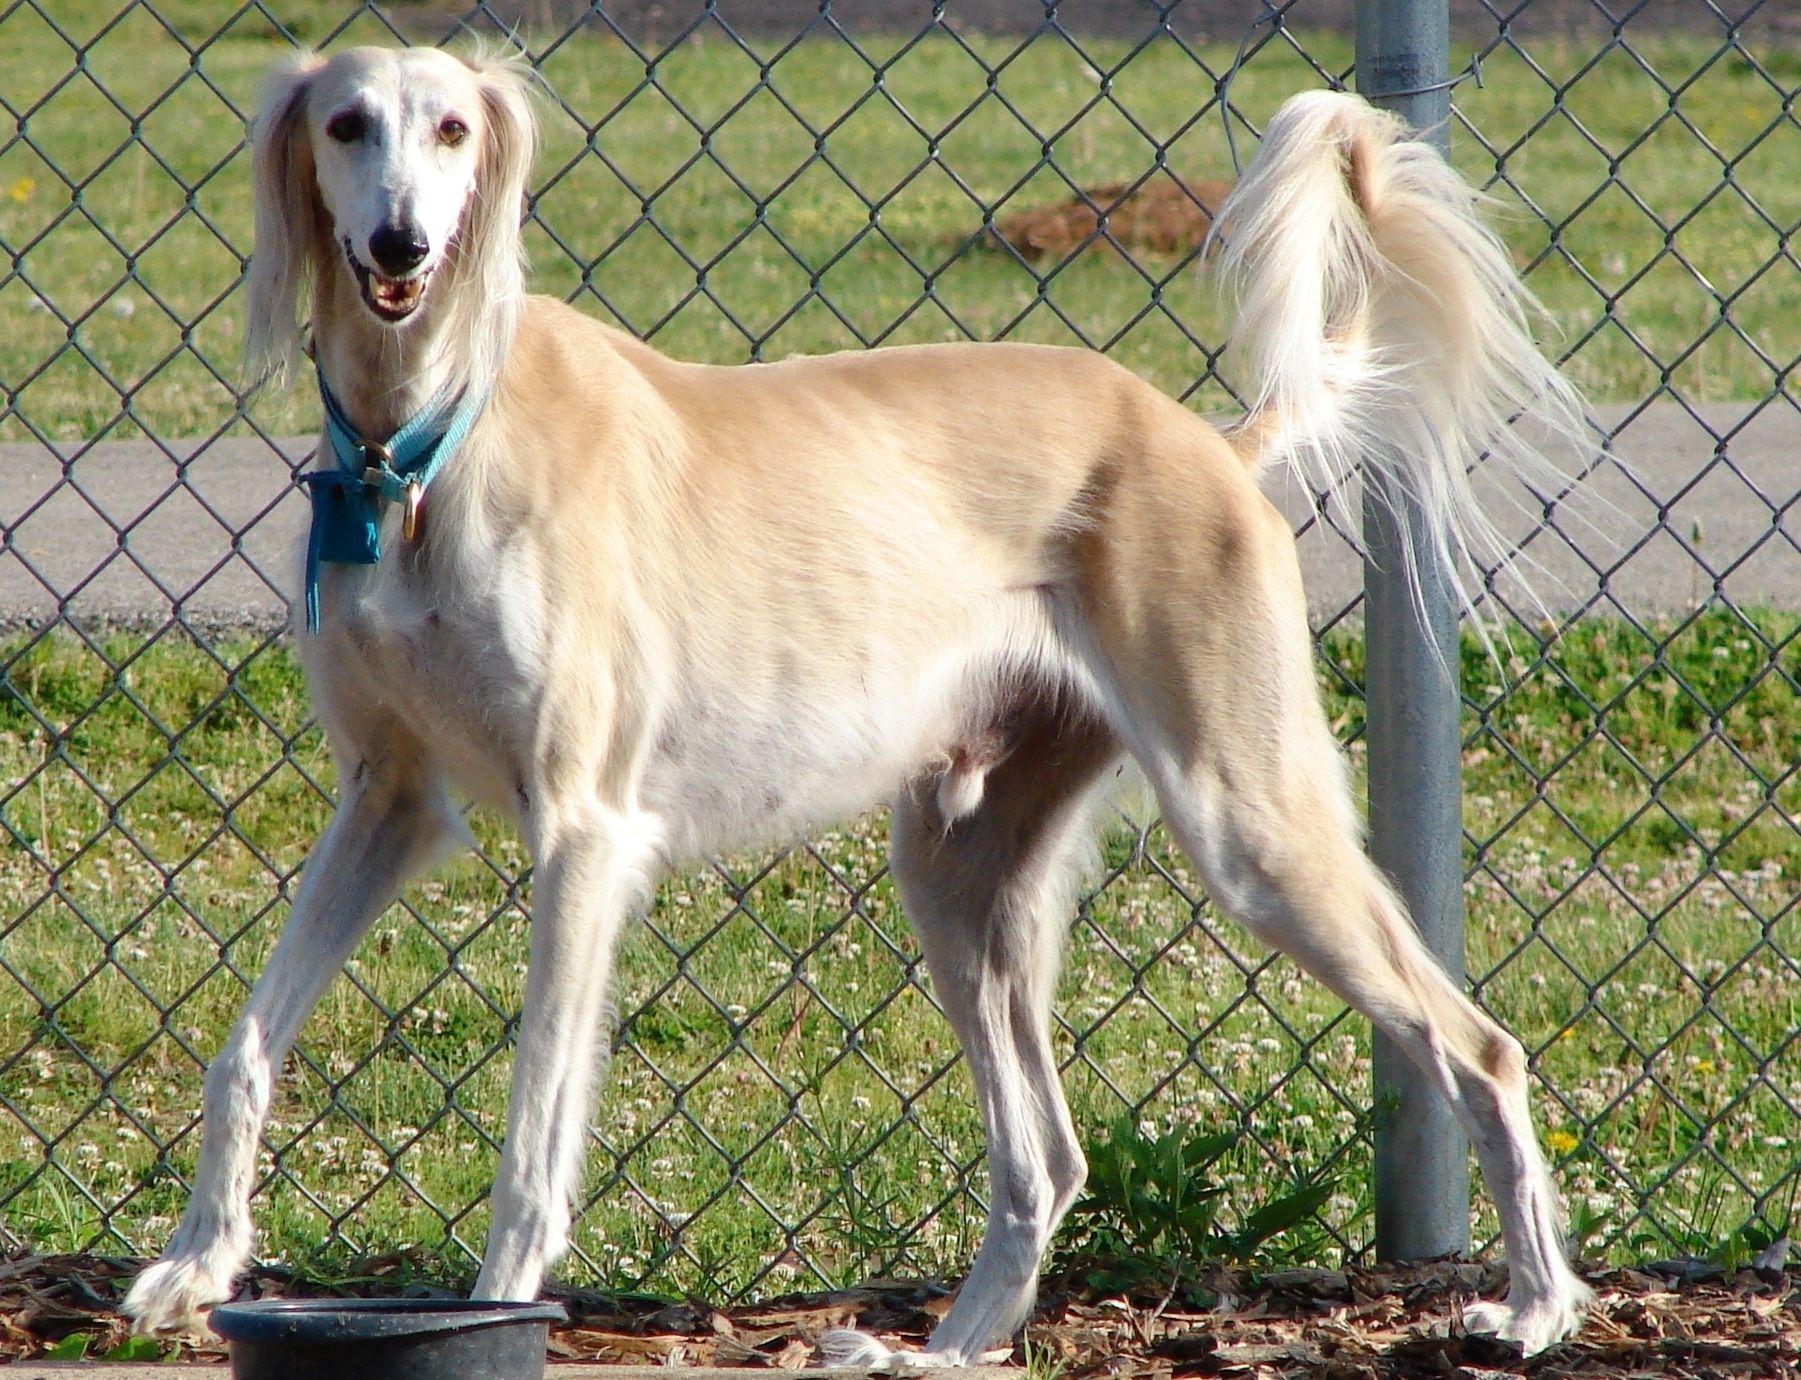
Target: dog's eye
(452,132)
(347,128)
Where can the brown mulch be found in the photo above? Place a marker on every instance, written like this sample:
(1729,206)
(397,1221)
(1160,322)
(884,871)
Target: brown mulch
(1164,216)
(1679,1320)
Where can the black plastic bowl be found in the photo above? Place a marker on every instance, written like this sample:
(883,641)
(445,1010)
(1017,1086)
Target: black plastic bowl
(386,1339)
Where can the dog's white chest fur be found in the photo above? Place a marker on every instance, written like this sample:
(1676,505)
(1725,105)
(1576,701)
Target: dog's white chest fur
(457,673)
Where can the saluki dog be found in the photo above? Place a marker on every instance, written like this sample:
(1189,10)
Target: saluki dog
(654,610)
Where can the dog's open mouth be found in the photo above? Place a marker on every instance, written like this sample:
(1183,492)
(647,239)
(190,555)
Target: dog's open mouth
(392,299)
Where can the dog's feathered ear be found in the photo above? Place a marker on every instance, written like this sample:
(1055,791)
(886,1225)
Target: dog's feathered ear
(489,250)
(290,223)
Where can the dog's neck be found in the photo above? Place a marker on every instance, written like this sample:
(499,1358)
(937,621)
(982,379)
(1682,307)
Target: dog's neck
(382,375)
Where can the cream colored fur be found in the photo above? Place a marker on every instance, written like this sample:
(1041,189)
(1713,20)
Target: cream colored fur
(1387,331)
(659,610)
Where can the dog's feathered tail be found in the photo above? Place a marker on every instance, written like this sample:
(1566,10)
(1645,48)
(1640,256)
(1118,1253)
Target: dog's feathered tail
(1384,325)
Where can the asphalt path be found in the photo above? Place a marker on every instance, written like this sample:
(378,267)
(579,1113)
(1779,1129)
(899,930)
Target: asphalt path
(136,532)
(1688,504)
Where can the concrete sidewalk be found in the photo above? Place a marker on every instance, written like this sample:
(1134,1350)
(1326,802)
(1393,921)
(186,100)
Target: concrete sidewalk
(113,530)
(1689,498)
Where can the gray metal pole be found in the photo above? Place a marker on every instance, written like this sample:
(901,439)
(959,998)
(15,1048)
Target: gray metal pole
(1415,781)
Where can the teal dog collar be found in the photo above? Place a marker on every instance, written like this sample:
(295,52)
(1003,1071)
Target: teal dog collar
(346,526)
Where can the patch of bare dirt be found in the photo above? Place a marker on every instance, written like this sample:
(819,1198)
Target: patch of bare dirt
(1165,216)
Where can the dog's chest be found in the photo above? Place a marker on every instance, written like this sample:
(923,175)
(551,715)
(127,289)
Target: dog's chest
(455,683)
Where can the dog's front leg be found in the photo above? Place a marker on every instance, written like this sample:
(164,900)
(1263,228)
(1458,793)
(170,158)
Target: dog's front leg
(389,823)
(592,870)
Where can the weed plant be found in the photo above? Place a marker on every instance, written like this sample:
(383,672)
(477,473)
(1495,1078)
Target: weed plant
(1150,1218)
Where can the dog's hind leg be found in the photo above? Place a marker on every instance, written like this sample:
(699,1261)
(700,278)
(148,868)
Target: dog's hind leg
(989,898)
(392,819)
(593,867)
(1304,887)
(1221,709)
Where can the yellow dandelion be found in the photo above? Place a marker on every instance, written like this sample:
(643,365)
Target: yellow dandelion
(1562,1142)
(20,191)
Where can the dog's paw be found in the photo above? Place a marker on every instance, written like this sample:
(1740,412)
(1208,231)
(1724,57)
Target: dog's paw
(843,1347)
(1535,1324)
(174,1294)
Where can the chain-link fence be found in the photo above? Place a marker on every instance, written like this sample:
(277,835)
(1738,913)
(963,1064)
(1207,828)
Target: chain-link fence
(745,183)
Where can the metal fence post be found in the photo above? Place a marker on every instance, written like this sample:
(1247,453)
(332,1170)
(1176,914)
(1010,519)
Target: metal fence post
(1415,783)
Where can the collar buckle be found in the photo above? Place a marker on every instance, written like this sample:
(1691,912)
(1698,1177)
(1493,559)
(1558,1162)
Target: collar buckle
(376,458)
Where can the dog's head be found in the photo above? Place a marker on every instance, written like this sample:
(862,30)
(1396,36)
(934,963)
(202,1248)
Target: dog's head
(395,167)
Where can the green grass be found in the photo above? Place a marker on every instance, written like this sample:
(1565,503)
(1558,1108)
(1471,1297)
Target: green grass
(776,1066)
(699,211)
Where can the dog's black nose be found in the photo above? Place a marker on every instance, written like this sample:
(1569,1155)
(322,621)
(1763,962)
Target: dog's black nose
(398,249)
